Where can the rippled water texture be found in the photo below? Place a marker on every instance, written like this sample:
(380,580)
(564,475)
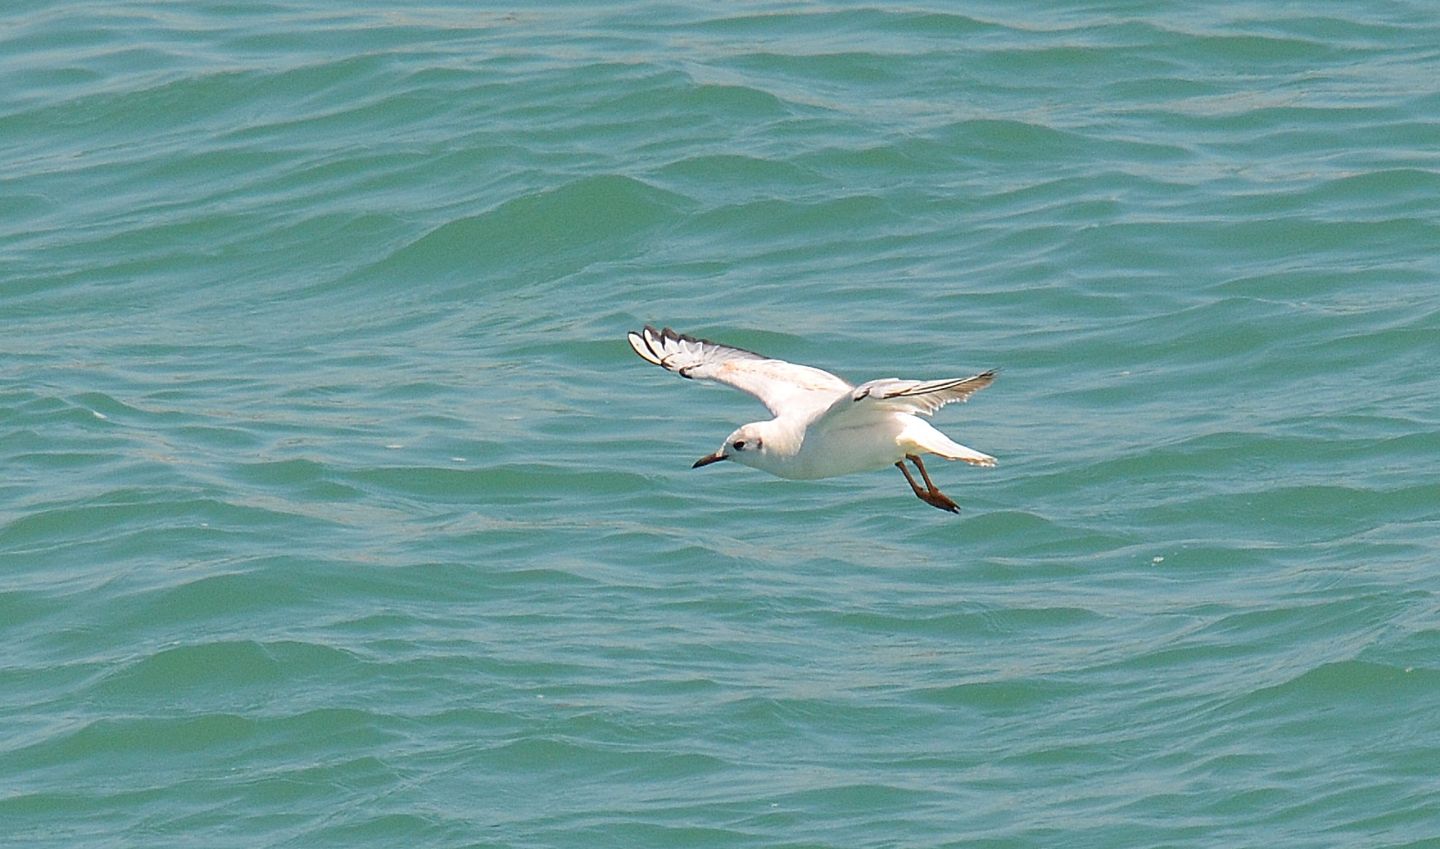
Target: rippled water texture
(335,510)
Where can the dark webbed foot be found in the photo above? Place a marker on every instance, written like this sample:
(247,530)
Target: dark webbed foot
(930,495)
(936,498)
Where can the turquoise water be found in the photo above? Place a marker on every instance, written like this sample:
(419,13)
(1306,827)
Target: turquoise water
(337,512)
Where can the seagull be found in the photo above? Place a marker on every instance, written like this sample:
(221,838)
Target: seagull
(823,426)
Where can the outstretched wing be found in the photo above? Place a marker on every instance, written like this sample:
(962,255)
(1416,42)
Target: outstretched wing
(785,388)
(914,396)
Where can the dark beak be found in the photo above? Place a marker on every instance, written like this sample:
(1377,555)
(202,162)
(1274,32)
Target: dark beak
(708,459)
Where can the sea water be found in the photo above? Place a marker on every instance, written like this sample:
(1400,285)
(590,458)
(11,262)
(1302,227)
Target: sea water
(336,511)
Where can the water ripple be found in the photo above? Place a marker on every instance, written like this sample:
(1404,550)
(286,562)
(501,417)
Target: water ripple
(336,509)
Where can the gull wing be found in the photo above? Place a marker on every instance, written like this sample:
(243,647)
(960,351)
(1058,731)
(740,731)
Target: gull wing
(785,388)
(910,396)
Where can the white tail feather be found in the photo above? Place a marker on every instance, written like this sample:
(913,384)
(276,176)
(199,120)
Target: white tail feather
(925,438)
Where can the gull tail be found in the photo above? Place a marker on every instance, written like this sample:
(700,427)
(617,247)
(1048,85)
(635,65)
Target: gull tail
(956,451)
(927,439)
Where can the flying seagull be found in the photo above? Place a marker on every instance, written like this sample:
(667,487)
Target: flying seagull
(823,426)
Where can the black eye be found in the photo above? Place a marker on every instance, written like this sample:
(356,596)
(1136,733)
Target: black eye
(738,445)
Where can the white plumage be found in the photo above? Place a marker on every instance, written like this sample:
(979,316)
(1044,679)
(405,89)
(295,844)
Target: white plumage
(822,425)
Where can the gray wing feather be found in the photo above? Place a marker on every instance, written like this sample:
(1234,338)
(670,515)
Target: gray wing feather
(919,396)
(785,388)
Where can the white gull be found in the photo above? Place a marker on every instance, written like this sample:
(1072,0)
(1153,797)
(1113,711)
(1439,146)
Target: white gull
(823,426)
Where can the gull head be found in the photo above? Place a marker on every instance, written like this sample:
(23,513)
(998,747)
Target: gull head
(745,445)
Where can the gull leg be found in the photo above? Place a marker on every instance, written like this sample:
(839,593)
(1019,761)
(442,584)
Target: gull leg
(919,493)
(931,495)
(915,458)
